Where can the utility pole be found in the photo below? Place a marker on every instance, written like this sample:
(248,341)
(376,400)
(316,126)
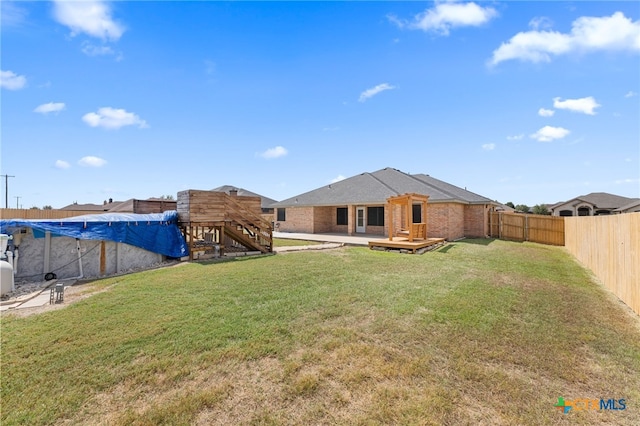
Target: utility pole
(17,199)
(6,190)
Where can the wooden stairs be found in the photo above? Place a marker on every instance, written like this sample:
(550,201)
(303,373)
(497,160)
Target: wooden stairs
(246,227)
(216,222)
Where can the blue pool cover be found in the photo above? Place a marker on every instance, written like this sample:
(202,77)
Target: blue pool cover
(156,232)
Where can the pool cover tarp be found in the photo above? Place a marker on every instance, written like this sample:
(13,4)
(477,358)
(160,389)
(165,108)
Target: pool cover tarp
(156,232)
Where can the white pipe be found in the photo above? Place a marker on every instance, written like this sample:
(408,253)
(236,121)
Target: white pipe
(15,261)
(9,255)
(47,252)
(79,258)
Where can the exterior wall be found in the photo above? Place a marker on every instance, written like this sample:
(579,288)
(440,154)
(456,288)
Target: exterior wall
(445,220)
(297,219)
(326,220)
(574,208)
(63,258)
(375,230)
(476,219)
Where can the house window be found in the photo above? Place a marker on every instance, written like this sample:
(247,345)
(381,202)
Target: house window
(342,216)
(375,216)
(566,213)
(584,211)
(417,213)
(282,216)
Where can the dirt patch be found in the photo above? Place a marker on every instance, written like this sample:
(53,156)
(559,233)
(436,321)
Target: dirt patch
(72,294)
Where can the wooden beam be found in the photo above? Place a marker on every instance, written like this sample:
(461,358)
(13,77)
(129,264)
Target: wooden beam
(103,258)
(390,207)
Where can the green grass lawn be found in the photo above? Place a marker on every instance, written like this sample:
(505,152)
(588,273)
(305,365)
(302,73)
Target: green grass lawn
(478,332)
(286,242)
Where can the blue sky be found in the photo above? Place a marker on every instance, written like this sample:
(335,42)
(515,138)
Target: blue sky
(530,102)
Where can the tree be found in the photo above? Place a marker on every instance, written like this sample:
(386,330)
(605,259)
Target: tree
(510,204)
(166,197)
(522,208)
(540,209)
(47,207)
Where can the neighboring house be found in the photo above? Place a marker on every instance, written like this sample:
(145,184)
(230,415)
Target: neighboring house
(265,201)
(358,205)
(632,207)
(504,208)
(594,204)
(132,205)
(104,207)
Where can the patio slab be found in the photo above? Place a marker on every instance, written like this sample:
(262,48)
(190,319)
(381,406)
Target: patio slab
(360,240)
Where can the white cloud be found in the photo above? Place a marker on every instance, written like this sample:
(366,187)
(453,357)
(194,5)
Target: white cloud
(12,15)
(489,146)
(545,112)
(90,49)
(12,81)
(338,179)
(91,17)
(583,105)
(274,152)
(624,181)
(540,22)
(50,107)
(515,137)
(447,15)
(369,93)
(630,94)
(61,164)
(615,32)
(111,118)
(91,161)
(549,133)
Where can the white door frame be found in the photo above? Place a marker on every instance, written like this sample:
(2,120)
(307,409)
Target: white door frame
(361,221)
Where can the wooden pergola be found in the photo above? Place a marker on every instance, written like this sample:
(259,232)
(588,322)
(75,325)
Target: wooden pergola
(412,230)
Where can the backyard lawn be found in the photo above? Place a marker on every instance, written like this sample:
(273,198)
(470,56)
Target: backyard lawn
(477,332)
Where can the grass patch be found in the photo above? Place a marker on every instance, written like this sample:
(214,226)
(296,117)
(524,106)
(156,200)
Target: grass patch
(489,333)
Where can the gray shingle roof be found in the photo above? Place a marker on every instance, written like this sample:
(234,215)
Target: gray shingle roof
(376,187)
(265,201)
(632,206)
(602,200)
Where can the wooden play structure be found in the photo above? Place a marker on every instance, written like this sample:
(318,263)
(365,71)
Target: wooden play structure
(411,234)
(216,224)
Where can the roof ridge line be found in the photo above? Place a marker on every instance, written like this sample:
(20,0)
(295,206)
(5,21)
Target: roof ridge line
(434,187)
(392,189)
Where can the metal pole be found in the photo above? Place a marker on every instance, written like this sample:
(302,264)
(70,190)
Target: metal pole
(6,190)
(17,199)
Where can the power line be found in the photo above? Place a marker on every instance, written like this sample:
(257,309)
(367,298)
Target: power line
(6,190)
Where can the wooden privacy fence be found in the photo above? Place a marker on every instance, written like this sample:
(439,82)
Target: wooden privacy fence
(42,214)
(526,227)
(610,247)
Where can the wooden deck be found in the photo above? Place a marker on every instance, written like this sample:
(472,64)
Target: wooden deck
(403,243)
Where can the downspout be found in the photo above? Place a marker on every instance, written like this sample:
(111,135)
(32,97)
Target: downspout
(79,259)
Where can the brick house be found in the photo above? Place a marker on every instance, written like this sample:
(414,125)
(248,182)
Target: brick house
(358,205)
(595,204)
